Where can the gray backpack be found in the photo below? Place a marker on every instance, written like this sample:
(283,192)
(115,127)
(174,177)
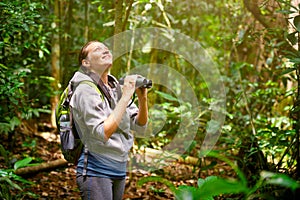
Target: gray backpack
(71,144)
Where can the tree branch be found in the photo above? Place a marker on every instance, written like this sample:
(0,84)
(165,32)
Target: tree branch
(42,167)
(127,14)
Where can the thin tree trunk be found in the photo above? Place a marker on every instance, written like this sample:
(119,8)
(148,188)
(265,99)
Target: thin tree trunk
(86,20)
(118,16)
(120,26)
(55,63)
(66,44)
(270,22)
(117,68)
(297,125)
(129,6)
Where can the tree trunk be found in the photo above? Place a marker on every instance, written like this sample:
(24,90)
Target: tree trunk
(149,155)
(86,20)
(128,9)
(152,155)
(296,107)
(117,68)
(296,125)
(55,62)
(42,167)
(275,20)
(120,26)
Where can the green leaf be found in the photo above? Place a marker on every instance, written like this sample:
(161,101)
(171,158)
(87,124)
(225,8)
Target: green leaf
(4,172)
(95,2)
(279,179)
(15,121)
(22,163)
(229,162)
(210,187)
(286,12)
(187,192)
(169,184)
(3,153)
(292,38)
(288,4)
(297,22)
(100,9)
(287,71)
(214,186)
(295,60)
(166,96)
(200,182)
(14,185)
(20,179)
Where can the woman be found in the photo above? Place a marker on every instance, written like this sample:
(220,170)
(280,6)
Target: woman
(105,122)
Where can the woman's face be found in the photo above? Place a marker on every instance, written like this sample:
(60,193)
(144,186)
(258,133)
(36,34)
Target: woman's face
(99,58)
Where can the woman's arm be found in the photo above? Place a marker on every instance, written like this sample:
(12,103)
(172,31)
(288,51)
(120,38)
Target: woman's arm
(112,122)
(142,116)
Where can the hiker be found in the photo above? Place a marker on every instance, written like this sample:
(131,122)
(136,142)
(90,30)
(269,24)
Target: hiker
(105,122)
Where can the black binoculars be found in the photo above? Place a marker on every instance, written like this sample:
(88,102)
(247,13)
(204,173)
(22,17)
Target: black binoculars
(141,82)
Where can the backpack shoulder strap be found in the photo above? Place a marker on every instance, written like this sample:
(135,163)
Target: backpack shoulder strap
(116,84)
(85,149)
(91,84)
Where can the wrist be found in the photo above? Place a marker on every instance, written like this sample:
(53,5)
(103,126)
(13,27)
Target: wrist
(124,99)
(142,98)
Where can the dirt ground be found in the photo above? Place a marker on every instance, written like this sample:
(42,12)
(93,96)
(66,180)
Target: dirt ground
(42,145)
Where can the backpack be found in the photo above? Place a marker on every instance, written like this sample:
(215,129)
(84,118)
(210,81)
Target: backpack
(71,144)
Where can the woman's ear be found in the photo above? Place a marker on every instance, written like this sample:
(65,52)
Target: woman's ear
(85,63)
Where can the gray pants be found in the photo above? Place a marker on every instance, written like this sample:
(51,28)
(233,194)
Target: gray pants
(96,188)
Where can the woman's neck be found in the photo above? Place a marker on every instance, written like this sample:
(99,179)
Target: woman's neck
(104,77)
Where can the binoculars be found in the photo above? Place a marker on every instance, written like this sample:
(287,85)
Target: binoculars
(141,82)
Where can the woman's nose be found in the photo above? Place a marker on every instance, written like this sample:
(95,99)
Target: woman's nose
(106,52)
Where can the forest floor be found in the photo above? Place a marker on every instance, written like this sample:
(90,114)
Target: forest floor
(60,183)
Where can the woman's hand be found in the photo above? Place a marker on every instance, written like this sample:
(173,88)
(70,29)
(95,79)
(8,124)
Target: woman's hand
(112,122)
(142,116)
(129,86)
(141,93)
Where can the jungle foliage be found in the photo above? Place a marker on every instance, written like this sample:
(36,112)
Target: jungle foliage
(253,43)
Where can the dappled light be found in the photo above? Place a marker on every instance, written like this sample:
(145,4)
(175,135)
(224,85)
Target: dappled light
(163,99)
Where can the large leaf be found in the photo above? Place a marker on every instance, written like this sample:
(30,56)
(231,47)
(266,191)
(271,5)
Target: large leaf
(229,162)
(189,193)
(213,186)
(22,163)
(279,179)
(297,22)
(210,187)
